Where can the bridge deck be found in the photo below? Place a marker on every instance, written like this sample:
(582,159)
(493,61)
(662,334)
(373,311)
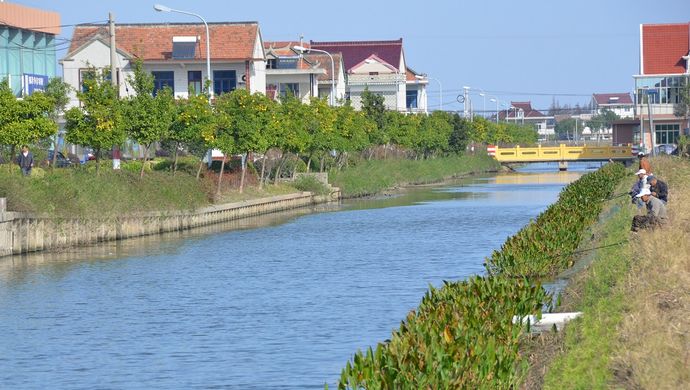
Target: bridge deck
(560,153)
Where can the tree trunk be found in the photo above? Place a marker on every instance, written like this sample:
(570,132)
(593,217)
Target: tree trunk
(263,170)
(55,152)
(244,170)
(280,168)
(309,162)
(177,147)
(143,162)
(321,163)
(198,172)
(220,177)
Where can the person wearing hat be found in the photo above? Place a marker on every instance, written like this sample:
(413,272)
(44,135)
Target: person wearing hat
(644,162)
(638,186)
(658,188)
(656,212)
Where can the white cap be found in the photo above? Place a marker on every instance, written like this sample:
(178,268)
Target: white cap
(641,171)
(643,192)
(640,153)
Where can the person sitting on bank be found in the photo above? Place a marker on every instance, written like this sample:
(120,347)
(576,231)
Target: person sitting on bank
(640,184)
(644,163)
(25,160)
(656,212)
(658,188)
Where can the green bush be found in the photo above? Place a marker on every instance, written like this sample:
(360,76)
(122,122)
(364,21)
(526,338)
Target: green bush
(310,184)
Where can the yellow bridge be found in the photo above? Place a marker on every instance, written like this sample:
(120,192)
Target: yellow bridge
(560,153)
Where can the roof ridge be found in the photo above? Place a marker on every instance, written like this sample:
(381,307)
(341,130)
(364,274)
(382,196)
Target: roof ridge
(163,24)
(343,43)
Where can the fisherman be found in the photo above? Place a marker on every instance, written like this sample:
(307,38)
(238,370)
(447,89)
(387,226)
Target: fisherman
(658,188)
(644,163)
(656,212)
(640,184)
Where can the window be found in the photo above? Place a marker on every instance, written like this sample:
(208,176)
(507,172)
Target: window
(271,63)
(194,82)
(411,98)
(162,80)
(666,133)
(184,48)
(90,73)
(224,81)
(289,88)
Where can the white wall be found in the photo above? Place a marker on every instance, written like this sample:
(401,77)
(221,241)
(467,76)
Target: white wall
(304,81)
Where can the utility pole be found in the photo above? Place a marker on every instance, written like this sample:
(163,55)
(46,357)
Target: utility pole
(113,79)
(652,133)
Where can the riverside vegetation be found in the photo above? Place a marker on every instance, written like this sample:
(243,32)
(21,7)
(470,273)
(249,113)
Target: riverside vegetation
(462,335)
(264,141)
(635,332)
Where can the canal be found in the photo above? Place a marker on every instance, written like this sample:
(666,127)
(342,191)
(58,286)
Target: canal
(279,301)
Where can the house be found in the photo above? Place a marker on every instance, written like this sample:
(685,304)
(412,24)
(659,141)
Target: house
(304,74)
(27,50)
(175,54)
(523,113)
(664,67)
(620,104)
(380,67)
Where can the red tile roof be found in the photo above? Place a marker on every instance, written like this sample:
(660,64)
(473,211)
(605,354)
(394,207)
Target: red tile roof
(526,107)
(663,46)
(322,61)
(612,98)
(354,52)
(283,48)
(151,42)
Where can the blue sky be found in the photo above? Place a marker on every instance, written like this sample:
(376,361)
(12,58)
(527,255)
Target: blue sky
(534,50)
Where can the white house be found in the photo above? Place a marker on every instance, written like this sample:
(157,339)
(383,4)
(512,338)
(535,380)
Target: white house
(174,53)
(620,104)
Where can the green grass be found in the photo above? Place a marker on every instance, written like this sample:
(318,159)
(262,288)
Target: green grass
(590,341)
(371,177)
(82,192)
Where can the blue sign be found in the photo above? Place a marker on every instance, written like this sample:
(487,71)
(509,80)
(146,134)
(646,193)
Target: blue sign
(34,82)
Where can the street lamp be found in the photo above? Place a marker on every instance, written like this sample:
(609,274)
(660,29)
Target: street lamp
(307,50)
(495,99)
(162,8)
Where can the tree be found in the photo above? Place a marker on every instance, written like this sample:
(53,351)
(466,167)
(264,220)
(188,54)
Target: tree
(292,133)
(320,126)
(193,128)
(682,108)
(24,121)
(565,128)
(98,122)
(434,133)
(603,120)
(58,91)
(374,109)
(147,118)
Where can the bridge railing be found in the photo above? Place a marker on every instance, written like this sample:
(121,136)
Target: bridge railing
(559,153)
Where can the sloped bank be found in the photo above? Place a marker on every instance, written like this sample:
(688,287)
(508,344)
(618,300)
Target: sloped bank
(462,335)
(28,232)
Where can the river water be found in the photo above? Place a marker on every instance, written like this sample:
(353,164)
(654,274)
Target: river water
(279,301)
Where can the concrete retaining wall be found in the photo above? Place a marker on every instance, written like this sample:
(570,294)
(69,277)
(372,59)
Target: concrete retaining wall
(25,232)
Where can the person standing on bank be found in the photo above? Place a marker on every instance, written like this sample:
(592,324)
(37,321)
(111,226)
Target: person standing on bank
(658,188)
(644,163)
(25,160)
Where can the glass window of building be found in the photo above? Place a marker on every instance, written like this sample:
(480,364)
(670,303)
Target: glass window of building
(666,133)
(162,80)
(411,99)
(289,88)
(224,81)
(194,82)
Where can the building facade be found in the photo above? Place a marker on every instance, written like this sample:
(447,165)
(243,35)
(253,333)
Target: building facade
(27,52)
(664,68)
(175,54)
(620,104)
(523,113)
(380,68)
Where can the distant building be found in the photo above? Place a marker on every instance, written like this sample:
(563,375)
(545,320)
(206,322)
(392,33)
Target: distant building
(303,74)
(523,113)
(175,54)
(620,104)
(380,67)
(27,47)
(664,64)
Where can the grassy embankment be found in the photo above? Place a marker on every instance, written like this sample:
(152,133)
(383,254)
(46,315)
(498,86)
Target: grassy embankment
(462,335)
(80,191)
(635,331)
(372,177)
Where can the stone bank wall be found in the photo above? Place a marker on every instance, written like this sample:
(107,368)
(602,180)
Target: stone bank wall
(25,232)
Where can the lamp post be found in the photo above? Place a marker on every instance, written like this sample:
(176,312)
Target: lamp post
(162,8)
(307,50)
(495,99)
(483,95)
